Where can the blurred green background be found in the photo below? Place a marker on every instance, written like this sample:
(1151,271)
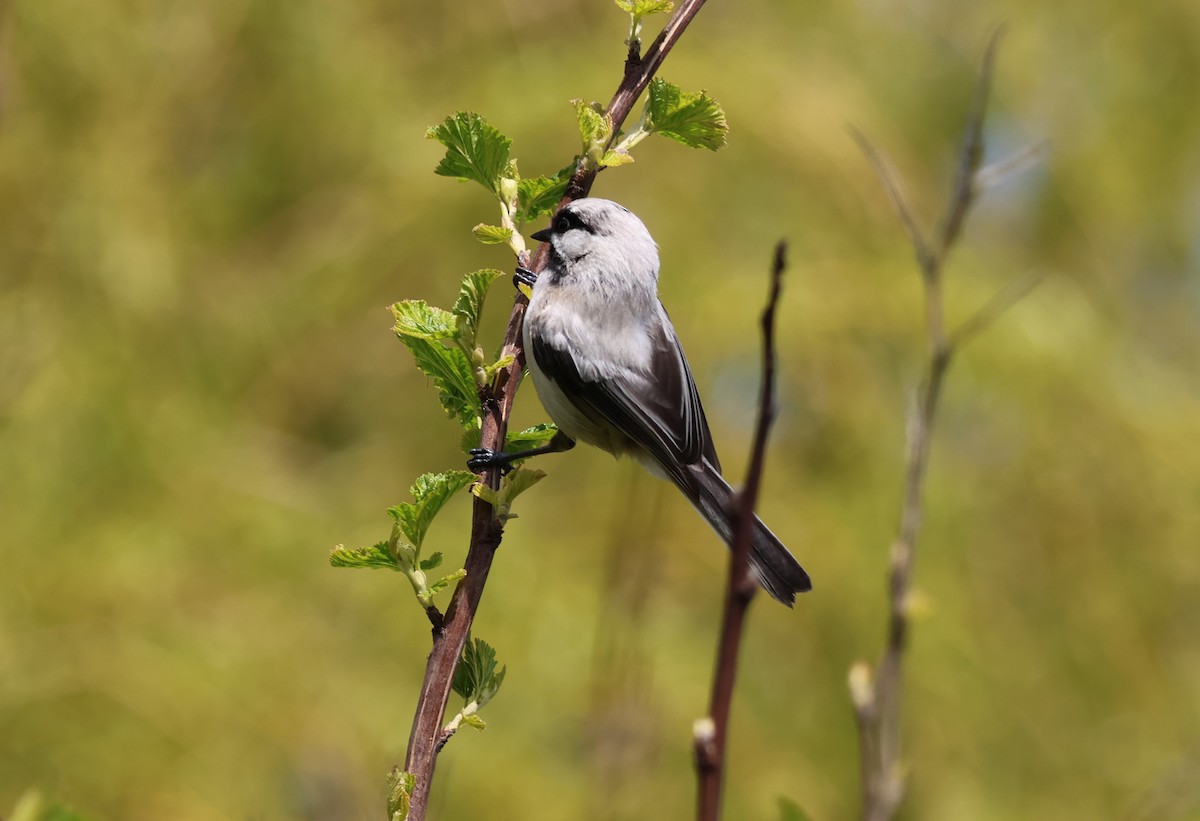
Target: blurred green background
(205,210)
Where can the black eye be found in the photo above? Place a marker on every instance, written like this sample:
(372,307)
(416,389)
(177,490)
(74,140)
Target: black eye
(569,221)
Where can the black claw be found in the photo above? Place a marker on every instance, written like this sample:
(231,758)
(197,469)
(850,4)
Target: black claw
(524,276)
(484,458)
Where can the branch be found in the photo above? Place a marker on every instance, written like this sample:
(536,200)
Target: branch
(877,701)
(711,732)
(497,400)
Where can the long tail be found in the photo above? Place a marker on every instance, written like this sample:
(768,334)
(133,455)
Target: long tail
(778,571)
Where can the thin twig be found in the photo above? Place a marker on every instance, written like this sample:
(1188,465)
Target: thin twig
(891,186)
(497,400)
(997,172)
(1013,292)
(877,701)
(711,732)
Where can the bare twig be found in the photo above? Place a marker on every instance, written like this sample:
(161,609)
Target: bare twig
(497,400)
(877,700)
(711,732)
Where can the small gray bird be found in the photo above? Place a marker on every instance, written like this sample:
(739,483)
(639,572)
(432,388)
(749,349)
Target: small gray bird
(610,371)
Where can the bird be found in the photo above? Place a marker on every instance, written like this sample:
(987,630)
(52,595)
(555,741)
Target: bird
(609,369)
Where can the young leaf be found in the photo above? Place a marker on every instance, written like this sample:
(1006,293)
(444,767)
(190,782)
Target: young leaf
(490,371)
(517,482)
(475,678)
(470,438)
(444,582)
(469,305)
(492,234)
(451,374)
(416,318)
(376,556)
(530,438)
(640,8)
(595,126)
(511,486)
(538,196)
(400,789)
(432,562)
(695,120)
(474,720)
(430,493)
(617,156)
(474,150)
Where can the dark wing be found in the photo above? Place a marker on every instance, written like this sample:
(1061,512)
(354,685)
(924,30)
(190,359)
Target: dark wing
(659,410)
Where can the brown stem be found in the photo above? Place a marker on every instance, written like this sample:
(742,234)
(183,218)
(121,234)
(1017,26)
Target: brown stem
(877,703)
(711,733)
(497,399)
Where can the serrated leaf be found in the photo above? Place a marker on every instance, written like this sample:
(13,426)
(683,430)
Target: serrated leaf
(595,125)
(517,482)
(432,562)
(492,234)
(530,438)
(417,319)
(491,687)
(400,789)
(476,672)
(474,150)
(641,8)
(695,120)
(375,556)
(538,196)
(615,157)
(500,364)
(445,581)
(430,493)
(470,438)
(452,376)
(474,720)
(469,305)
(484,492)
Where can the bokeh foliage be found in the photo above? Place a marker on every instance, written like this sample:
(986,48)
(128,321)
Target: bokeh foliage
(206,209)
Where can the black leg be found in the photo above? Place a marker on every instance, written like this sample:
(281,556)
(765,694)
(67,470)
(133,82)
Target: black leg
(483,458)
(524,276)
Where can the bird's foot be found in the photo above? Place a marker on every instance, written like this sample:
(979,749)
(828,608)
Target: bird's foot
(484,458)
(525,277)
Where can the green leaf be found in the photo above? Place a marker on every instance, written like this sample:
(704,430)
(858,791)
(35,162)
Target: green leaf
(474,720)
(452,375)
(640,8)
(511,486)
(432,562)
(376,556)
(500,364)
(492,234)
(474,150)
(530,438)
(616,156)
(445,581)
(695,120)
(430,493)
(476,678)
(538,196)
(419,320)
(470,438)
(400,789)
(595,125)
(517,482)
(469,305)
